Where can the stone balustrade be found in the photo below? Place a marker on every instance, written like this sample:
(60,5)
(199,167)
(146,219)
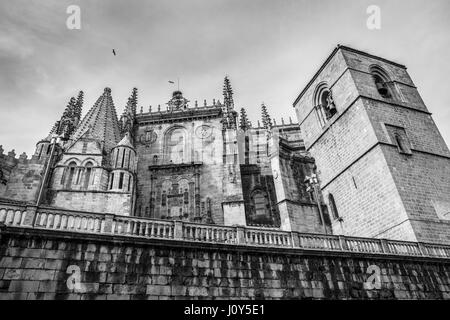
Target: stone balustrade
(140,227)
(84,222)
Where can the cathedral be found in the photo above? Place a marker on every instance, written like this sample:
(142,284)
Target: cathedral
(364,159)
(197,163)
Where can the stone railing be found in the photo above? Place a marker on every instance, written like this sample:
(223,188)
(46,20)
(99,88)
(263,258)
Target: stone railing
(96,223)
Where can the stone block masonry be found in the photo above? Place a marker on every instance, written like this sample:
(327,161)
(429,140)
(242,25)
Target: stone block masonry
(34,264)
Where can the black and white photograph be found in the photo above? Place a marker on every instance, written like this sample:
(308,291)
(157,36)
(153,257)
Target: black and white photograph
(237,150)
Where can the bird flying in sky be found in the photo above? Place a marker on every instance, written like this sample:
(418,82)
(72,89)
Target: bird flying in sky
(114,52)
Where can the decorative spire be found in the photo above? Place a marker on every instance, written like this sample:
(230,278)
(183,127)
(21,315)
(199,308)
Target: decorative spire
(228,94)
(266,120)
(101,122)
(127,120)
(70,118)
(244,123)
(79,104)
(229,115)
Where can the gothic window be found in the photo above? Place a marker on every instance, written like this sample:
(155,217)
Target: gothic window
(72,167)
(324,104)
(87,175)
(155,159)
(63,176)
(129,183)
(78,175)
(333,207)
(381,81)
(174,149)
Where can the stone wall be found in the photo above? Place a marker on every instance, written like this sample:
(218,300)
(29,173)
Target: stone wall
(207,150)
(24,181)
(114,202)
(34,264)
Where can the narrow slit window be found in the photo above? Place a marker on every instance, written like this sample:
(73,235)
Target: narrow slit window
(121,180)
(123,158)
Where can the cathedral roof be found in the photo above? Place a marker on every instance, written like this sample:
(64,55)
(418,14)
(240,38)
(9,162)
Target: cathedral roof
(101,123)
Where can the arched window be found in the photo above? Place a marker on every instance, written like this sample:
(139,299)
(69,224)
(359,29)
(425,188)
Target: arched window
(174,146)
(324,104)
(72,166)
(333,207)
(87,175)
(381,81)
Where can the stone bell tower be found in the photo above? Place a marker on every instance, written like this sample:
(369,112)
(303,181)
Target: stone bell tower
(384,166)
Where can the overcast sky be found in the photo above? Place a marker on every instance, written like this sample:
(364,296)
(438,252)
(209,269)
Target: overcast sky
(269,49)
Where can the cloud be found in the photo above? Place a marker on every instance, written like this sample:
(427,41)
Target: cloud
(270,50)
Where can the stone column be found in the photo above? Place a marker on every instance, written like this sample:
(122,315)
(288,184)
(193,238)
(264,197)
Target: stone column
(178,229)
(30,217)
(108,223)
(240,235)
(191,199)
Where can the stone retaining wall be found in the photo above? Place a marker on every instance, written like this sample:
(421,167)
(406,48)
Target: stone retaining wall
(34,265)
